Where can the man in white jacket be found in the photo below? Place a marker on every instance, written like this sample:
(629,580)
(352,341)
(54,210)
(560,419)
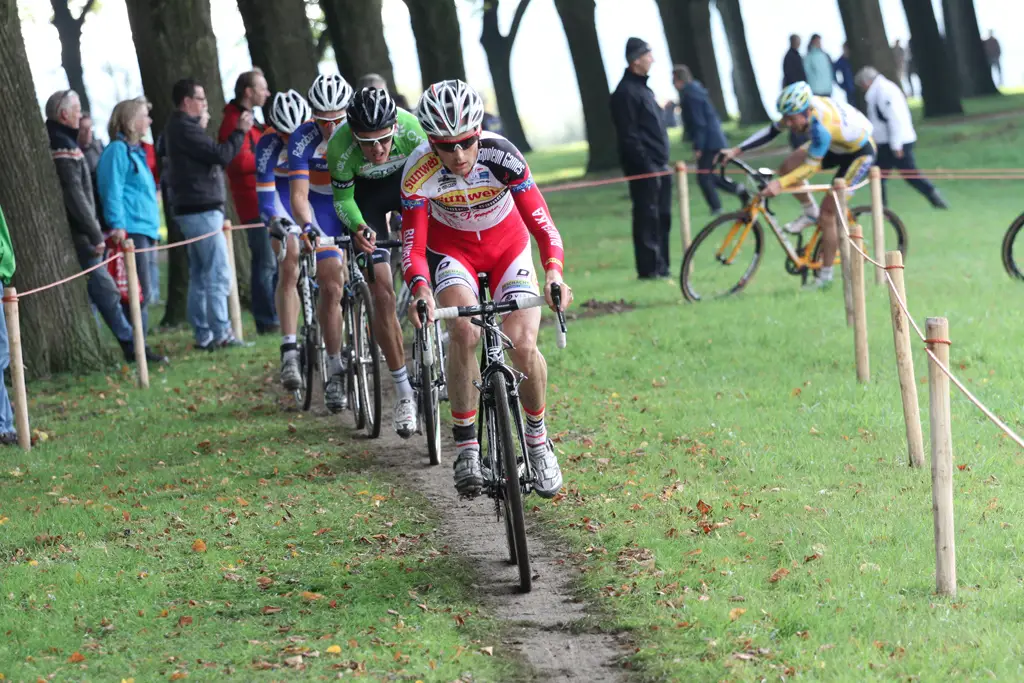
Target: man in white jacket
(889,113)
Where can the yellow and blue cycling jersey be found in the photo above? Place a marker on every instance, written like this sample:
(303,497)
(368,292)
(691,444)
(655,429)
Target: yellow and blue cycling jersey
(840,137)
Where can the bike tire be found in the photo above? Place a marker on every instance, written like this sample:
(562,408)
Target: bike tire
(429,395)
(894,226)
(349,333)
(691,291)
(1008,239)
(307,369)
(510,453)
(367,359)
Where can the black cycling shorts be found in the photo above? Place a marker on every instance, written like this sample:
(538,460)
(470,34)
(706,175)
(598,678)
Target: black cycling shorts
(376,197)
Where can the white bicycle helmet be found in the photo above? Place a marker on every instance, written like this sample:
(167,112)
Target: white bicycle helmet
(449,109)
(329,93)
(289,111)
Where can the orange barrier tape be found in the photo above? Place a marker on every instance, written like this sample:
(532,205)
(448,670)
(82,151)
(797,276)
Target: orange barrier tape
(171,245)
(79,274)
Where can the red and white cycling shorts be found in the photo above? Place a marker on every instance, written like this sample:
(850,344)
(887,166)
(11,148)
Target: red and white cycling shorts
(502,252)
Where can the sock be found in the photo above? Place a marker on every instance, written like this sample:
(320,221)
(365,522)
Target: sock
(402,386)
(464,430)
(289,348)
(288,339)
(810,206)
(536,430)
(334,366)
(825,274)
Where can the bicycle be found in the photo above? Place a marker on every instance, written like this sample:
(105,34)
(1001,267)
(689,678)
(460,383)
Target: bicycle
(428,381)
(501,419)
(1009,262)
(743,229)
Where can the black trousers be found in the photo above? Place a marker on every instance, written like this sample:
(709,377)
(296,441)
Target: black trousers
(887,161)
(709,181)
(652,224)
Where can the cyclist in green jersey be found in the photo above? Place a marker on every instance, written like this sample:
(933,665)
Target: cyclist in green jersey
(365,158)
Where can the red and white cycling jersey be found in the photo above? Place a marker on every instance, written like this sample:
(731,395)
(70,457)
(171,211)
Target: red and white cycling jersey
(479,223)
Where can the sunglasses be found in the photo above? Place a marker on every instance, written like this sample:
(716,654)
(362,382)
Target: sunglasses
(454,145)
(336,121)
(370,142)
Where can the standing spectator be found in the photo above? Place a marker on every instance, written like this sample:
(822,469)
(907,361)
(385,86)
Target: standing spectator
(994,53)
(670,113)
(792,72)
(909,66)
(8,432)
(251,91)
(196,179)
(899,55)
(643,148)
(92,147)
(818,66)
(63,115)
(844,75)
(127,189)
(703,129)
(371,81)
(894,132)
(149,259)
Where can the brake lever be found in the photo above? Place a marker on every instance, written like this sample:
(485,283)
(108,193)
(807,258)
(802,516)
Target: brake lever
(428,349)
(556,298)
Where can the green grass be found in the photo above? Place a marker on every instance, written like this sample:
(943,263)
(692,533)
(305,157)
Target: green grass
(750,407)
(307,550)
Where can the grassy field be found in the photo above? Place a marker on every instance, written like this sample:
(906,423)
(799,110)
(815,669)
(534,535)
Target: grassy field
(734,499)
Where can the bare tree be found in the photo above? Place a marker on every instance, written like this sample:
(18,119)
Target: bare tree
(963,38)
(499,56)
(69,28)
(57,328)
(280,42)
(687,26)
(356,32)
(865,34)
(435,24)
(940,82)
(748,95)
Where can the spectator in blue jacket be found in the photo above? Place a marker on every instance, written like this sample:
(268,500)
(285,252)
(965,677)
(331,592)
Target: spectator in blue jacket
(704,131)
(844,75)
(818,66)
(127,189)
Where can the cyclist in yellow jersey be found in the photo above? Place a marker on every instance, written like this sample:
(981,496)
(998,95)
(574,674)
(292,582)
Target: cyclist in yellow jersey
(840,139)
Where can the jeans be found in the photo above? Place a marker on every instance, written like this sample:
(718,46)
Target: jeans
(105,296)
(142,268)
(264,277)
(887,161)
(708,180)
(152,263)
(209,276)
(652,224)
(6,412)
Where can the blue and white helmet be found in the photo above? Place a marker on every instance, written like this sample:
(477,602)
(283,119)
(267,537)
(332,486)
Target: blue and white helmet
(795,98)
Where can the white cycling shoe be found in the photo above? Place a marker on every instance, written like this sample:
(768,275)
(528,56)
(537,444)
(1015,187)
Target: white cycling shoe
(800,224)
(546,472)
(405,417)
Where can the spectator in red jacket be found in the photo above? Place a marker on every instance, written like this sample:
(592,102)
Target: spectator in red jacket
(251,91)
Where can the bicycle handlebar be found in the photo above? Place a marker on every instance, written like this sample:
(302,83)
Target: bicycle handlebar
(492,307)
(381,244)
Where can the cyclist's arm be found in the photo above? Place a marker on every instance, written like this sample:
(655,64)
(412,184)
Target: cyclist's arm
(820,141)
(761,137)
(535,213)
(298,179)
(415,216)
(343,187)
(267,151)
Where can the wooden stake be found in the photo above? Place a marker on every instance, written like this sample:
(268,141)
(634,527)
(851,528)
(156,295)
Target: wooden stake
(135,311)
(937,331)
(839,185)
(17,368)
(860,314)
(234,305)
(683,194)
(877,221)
(904,361)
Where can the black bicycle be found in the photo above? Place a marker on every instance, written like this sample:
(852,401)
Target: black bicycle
(1009,262)
(428,381)
(501,420)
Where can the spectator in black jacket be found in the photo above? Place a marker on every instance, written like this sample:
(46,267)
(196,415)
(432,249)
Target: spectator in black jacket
(196,180)
(703,129)
(793,71)
(643,148)
(63,115)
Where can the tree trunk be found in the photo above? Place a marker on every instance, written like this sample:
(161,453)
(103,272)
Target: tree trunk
(69,28)
(57,328)
(280,42)
(687,26)
(175,40)
(435,24)
(940,84)
(748,95)
(865,33)
(963,37)
(581,32)
(356,30)
(499,55)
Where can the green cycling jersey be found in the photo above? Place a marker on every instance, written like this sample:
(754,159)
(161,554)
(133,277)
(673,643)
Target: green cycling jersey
(346,163)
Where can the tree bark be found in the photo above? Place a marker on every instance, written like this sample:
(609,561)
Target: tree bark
(280,42)
(940,82)
(435,24)
(356,30)
(175,40)
(748,95)
(865,34)
(581,32)
(69,28)
(687,26)
(963,37)
(58,330)
(499,56)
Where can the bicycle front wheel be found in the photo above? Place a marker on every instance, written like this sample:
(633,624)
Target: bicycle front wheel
(512,452)
(430,394)
(723,257)
(1010,263)
(894,232)
(367,358)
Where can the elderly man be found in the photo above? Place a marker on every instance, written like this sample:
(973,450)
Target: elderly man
(643,149)
(889,114)
(196,179)
(63,116)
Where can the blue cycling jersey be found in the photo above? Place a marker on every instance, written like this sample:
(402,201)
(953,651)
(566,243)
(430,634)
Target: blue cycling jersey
(272,176)
(307,158)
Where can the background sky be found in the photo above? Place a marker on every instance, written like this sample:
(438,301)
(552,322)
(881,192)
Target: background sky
(542,72)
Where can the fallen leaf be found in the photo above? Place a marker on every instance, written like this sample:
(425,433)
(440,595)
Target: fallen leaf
(703,507)
(184,621)
(321,531)
(803,634)
(265,582)
(230,576)
(76,657)
(489,651)
(334,650)
(814,432)
(811,558)
(199,546)
(178,675)
(309,595)
(242,502)
(778,575)
(295,662)
(271,610)
(736,612)
(963,467)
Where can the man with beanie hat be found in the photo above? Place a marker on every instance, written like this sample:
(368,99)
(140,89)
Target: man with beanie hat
(643,148)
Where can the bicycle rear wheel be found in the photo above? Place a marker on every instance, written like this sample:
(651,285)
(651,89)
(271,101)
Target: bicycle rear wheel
(367,359)
(723,257)
(1010,263)
(429,396)
(894,231)
(511,446)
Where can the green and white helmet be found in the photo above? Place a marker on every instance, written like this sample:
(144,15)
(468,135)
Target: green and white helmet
(795,98)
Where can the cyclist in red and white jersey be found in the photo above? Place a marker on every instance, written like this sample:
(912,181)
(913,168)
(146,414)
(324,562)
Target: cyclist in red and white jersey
(469,205)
